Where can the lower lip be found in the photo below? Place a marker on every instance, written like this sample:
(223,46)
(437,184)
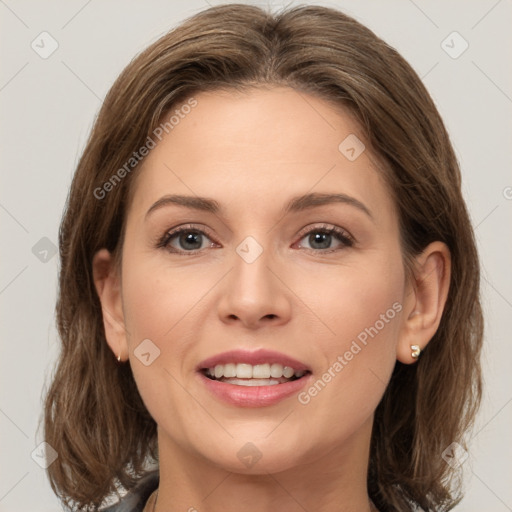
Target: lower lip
(253,396)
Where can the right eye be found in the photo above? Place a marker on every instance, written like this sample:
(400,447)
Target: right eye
(185,240)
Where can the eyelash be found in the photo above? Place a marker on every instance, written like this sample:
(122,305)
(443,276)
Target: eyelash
(339,234)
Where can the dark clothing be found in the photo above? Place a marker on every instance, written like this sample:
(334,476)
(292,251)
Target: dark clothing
(135,500)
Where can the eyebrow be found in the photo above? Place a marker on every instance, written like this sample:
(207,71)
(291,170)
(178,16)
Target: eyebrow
(296,204)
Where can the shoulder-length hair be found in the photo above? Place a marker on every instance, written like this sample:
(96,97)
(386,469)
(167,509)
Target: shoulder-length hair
(94,416)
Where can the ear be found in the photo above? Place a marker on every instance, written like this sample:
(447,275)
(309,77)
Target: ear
(108,286)
(425,300)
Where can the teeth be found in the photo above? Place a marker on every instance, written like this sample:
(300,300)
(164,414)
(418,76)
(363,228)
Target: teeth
(288,372)
(258,371)
(243,371)
(276,370)
(261,371)
(229,370)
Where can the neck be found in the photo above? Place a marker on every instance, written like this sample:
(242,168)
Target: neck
(332,482)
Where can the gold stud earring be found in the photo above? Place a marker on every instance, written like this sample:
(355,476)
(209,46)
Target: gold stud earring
(415,351)
(119,358)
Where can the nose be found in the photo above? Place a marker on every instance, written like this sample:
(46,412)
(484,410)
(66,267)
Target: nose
(254,294)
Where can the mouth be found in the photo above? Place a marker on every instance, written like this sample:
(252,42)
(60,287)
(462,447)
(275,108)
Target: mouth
(243,374)
(256,378)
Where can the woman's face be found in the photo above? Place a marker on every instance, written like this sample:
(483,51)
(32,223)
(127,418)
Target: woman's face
(281,272)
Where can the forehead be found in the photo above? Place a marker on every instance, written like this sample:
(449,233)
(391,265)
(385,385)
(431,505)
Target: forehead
(256,147)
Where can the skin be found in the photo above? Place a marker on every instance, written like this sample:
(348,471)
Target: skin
(252,153)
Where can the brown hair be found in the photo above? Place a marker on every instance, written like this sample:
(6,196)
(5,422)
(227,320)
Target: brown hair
(94,416)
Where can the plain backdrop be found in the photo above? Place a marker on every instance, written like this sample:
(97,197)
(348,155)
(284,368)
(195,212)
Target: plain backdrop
(47,107)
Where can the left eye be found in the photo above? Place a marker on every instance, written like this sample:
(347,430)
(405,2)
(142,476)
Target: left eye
(321,238)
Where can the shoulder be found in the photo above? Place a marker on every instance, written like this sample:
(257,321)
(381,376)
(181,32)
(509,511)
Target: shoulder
(135,500)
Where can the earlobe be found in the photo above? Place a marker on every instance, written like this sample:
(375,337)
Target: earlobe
(425,301)
(107,283)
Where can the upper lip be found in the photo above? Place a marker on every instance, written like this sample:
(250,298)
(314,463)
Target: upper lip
(253,357)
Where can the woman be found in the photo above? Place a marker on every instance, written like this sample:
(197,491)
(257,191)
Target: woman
(269,292)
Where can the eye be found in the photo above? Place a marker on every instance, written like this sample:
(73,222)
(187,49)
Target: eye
(191,240)
(321,238)
(185,239)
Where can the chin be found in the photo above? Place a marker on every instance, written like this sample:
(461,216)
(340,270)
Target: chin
(257,457)
(260,462)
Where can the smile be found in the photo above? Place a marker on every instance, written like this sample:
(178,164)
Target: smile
(242,374)
(253,378)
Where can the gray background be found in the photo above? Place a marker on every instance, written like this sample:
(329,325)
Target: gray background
(47,107)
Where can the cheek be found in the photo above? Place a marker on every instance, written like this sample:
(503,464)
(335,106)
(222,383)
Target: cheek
(155,309)
(355,300)
(157,298)
(368,309)
(163,304)
(362,309)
